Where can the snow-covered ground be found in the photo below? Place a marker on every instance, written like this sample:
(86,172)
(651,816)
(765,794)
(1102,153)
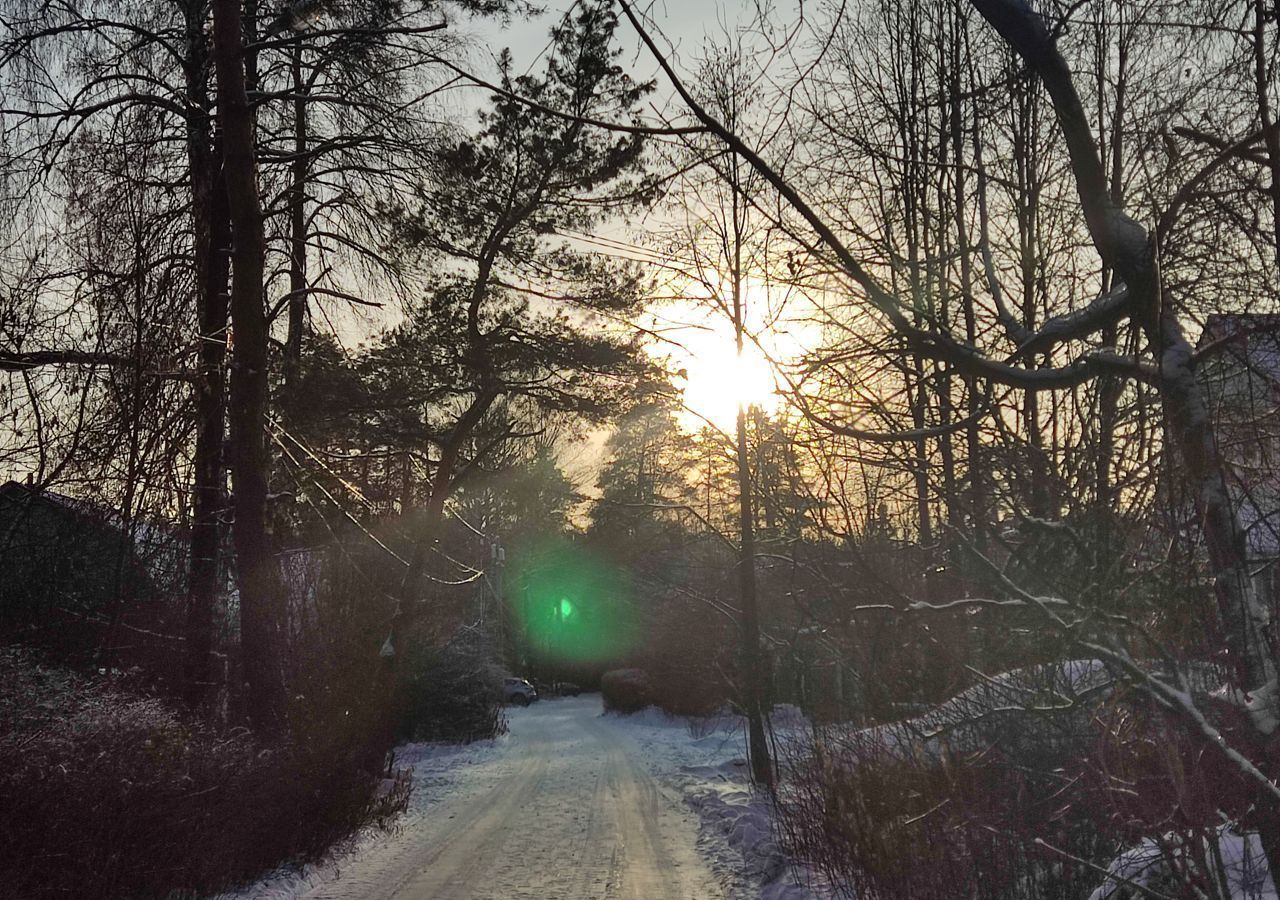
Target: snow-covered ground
(440,772)
(706,761)
(571,805)
(1236,865)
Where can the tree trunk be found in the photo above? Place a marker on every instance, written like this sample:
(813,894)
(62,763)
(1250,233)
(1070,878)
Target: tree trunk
(977,487)
(754,677)
(443,481)
(212,239)
(1270,135)
(1129,249)
(298,172)
(1110,388)
(939,300)
(1245,618)
(1027,209)
(261,590)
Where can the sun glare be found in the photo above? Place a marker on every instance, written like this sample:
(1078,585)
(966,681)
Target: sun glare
(698,339)
(719,380)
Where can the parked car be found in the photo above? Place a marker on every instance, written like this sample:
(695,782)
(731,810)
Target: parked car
(568,689)
(519,691)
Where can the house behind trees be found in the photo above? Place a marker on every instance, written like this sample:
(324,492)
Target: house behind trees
(1240,368)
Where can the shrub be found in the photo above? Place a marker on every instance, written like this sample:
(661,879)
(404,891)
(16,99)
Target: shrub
(1001,799)
(453,693)
(689,693)
(104,793)
(626,690)
(688,661)
(893,829)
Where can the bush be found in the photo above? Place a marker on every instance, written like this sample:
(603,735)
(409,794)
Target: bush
(105,793)
(453,693)
(996,798)
(689,693)
(689,661)
(900,829)
(626,690)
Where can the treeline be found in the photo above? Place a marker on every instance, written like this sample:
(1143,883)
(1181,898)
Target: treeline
(267,304)
(1039,248)
(1016,268)
(187,260)
(1035,254)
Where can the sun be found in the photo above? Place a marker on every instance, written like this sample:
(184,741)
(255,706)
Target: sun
(718,380)
(697,340)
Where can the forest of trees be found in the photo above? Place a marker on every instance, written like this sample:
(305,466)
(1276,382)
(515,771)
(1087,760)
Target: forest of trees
(321,371)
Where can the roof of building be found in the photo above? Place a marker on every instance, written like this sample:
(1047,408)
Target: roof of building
(1254,337)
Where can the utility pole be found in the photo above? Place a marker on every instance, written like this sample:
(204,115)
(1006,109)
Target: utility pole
(497,561)
(753,675)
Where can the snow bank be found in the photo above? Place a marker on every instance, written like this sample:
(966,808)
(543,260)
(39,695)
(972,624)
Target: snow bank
(1151,864)
(1033,706)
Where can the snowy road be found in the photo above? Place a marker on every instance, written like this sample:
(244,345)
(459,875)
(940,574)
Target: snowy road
(567,813)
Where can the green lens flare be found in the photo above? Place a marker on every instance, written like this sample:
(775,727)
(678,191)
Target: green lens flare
(570,606)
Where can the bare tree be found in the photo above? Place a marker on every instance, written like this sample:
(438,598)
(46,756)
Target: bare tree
(261,591)
(1063,351)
